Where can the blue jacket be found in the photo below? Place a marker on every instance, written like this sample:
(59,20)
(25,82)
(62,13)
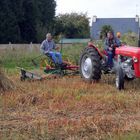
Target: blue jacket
(47,46)
(109,43)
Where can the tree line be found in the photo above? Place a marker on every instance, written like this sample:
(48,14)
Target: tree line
(24,21)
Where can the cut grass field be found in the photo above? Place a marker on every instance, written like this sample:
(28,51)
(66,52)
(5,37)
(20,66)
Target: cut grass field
(66,108)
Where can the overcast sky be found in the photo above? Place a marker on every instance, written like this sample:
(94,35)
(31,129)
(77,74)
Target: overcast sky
(100,8)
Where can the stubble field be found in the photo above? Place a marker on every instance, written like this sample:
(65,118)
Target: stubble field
(68,108)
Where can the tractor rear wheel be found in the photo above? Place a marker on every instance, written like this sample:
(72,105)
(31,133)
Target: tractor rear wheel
(119,78)
(90,65)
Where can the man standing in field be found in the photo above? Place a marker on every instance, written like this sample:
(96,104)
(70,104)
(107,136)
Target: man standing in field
(48,47)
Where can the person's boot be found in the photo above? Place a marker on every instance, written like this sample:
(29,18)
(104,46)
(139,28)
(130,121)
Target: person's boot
(63,65)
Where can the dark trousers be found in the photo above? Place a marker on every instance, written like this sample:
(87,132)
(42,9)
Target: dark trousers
(110,58)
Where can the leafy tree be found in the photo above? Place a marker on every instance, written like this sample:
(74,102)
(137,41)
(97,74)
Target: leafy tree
(9,29)
(72,25)
(28,23)
(104,30)
(25,20)
(46,12)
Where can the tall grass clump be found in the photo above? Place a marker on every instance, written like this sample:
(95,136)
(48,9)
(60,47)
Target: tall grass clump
(72,52)
(5,83)
(21,57)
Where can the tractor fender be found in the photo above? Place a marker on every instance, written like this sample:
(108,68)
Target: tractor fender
(90,44)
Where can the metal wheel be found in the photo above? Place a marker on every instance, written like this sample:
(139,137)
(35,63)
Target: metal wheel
(119,78)
(87,67)
(90,65)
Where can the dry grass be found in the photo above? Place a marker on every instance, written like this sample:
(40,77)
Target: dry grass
(68,108)
(5,83)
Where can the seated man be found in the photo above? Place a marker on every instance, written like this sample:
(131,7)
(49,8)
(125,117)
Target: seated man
(110,44)
(48,47)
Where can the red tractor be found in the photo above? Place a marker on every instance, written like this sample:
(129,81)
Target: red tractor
(126,64)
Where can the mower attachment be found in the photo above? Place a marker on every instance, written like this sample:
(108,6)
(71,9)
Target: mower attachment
(29,75)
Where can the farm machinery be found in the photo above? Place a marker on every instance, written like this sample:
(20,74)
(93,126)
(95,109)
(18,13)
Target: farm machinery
(126,64)
(45,64)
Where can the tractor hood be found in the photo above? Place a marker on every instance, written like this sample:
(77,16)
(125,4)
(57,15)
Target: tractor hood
(134,53)
(128,51)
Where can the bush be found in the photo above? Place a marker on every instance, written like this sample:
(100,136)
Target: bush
(72,25)
(130,38)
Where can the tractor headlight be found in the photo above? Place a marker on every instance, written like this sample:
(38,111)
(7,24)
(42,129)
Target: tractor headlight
(135,59)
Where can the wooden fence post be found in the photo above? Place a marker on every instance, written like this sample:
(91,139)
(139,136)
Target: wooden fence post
(10,45)
(31,47)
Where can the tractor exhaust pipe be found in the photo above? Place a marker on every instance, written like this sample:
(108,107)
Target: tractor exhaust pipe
(139,43)
(139,38)
(139,32)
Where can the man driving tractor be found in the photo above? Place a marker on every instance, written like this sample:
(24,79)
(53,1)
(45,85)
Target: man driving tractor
(109,46)
(48,47)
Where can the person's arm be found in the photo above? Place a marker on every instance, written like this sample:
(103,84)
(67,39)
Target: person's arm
(106,45)
(55,47)
(42,48)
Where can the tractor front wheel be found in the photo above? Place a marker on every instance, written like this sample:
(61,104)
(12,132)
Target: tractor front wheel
(119,78)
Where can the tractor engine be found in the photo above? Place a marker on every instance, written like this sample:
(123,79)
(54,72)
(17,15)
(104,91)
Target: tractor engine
(128,68)
(130,60)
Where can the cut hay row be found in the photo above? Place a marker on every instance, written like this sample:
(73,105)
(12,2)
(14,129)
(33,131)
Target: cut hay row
(5,82)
